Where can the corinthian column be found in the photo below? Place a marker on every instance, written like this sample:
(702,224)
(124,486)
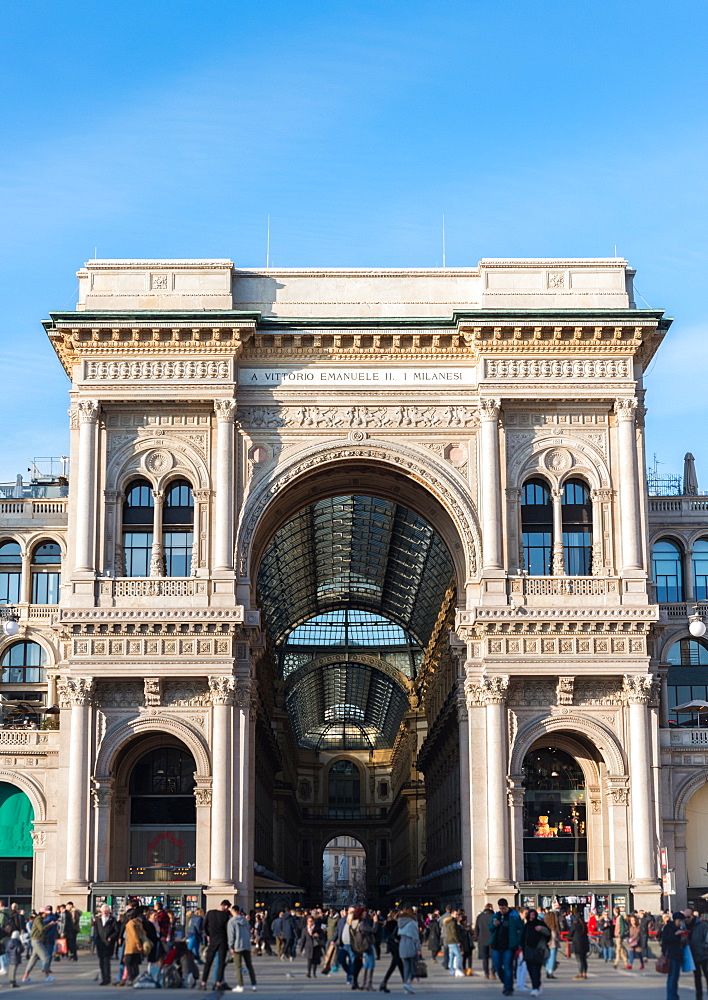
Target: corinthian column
(78,692)
(490,484)
(558,555)
(628,484)
(86,486)
(495,691)
(224,511)
(638,692)
(157,556)
(222,699)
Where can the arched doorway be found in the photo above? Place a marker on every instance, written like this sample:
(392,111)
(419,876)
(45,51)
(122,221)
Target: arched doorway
(697,847)
(163,823)
(354,587)
(555,817)
(344,872)
(16,850)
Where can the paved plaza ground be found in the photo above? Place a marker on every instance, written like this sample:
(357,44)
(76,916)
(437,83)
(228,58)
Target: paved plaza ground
(278,979)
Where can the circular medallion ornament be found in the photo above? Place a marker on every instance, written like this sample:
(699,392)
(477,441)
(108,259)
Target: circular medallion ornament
(557,460)
(358,435)
(158,462)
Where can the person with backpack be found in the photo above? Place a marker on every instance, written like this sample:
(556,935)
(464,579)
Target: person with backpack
(362,938)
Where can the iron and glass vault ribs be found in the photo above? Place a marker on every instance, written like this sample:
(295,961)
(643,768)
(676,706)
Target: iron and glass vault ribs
(350,607)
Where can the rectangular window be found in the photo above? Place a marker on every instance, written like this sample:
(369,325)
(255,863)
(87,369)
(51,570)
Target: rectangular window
(537,552)
(577,552)
(137,548)
(45,588)
(9,588)
(178,552)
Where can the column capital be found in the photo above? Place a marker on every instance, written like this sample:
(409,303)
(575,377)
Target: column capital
(486,690)
(102,792)
(76,692)
(638,688)
(89,410)
(617,789)
(513,493)
(221,690)
(158,497)
(461,701)
(225,410)
(489,409)
(203,791)
(202,496)
(626,408)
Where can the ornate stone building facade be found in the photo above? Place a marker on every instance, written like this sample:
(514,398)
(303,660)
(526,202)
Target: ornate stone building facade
(348,553)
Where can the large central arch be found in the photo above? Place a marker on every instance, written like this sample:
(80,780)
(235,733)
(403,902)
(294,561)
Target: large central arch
(402,474)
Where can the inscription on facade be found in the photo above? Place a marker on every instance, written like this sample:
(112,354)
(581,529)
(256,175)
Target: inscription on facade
(366,378)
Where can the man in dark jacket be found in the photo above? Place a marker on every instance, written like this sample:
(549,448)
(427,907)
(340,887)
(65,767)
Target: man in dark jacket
(698,943)
(506,927)
(673,934)
(106,932)
(215,929)
(482,935)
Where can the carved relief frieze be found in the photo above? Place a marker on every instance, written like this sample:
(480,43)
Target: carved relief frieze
(120,694)
(187,694)
(141,371)
(557,368)
(594,691)
(538,693)
(312,417)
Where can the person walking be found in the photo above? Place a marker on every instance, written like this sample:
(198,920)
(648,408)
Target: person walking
(579,945)
(506,927)
(362,938)
(105,934)
(195,933)
(408,946)
(14,951)
(698,943)
(534,947)
(136,943)
(604,926)
(619,931)
(482,936)
(467,945)
(392,942)
(550,919)
(433,935)
(311,944)
(38,940)
(289,928)
(238,932)
(452,938)
(673,936)
(634,942)
(71,930)
(215,926)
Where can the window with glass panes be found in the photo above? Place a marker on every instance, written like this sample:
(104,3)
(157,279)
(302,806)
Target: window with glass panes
(10,572)
(577,528)
(667,571)
(46,573)
(687,681)
(23,663)
(537,527)
(138,509)
(700,569)
(178,528)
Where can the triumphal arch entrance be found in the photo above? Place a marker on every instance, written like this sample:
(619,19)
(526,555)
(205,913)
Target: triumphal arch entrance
(355,578)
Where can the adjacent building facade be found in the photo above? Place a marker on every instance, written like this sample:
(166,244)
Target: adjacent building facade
(353,554)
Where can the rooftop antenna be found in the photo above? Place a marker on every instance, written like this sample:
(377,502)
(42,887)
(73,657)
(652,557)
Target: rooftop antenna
(95,252)
(268,246)
(615,249)
(443,239)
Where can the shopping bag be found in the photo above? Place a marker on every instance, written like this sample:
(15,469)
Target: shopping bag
(687,963)
(663,965)
(421,969)
(61,947)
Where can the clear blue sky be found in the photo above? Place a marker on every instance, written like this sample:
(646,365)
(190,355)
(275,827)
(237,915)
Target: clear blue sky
(174,129)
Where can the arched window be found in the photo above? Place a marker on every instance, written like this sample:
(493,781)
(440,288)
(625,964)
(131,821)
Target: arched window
(137,528)
(178,528)
(700,569)
(23,663)
(537,527)
(163,817)
(687,681)
(667,571)
(577,528)
(10,572)
(688,653)
(46,573)
(555,836)
(344,790)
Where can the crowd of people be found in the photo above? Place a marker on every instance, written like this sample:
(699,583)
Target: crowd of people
(515,947)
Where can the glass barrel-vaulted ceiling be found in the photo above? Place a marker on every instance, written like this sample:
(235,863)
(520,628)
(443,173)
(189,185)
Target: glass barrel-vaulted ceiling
(351,552)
